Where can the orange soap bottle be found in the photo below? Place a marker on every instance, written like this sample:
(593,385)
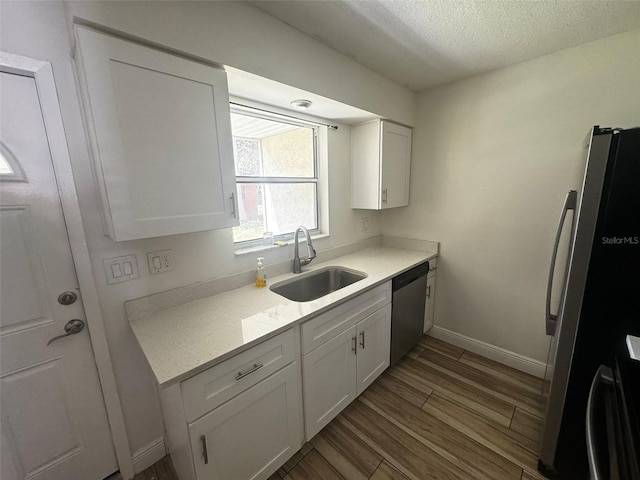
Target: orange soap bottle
(261,276)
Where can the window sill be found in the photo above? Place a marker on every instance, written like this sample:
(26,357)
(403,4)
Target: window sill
(263,248)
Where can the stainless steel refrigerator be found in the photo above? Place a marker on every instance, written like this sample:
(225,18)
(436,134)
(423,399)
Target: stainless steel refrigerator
(600,293)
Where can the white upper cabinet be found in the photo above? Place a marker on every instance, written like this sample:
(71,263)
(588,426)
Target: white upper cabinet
(380,165)
(161,135)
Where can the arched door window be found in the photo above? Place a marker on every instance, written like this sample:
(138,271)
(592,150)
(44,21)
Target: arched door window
(10,170)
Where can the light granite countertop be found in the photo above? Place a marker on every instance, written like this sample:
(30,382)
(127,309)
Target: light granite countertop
(184,340)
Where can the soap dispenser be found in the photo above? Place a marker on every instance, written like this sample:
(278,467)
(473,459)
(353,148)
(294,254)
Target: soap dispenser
(261,276)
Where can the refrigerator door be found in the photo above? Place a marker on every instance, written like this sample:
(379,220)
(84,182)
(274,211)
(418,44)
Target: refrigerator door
(559,364)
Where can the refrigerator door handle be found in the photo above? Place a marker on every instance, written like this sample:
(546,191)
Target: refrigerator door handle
(569,204)
(604,376)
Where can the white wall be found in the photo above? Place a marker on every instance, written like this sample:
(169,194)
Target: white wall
(239,35)
(38,29)
(494,156)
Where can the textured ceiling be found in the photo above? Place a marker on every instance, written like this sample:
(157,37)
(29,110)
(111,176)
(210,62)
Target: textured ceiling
(422,43)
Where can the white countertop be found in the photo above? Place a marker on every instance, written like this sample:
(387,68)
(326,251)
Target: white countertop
(633,343)
(184,340)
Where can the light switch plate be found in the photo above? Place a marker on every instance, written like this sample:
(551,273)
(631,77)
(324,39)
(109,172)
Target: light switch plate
(160,261)
(121,269)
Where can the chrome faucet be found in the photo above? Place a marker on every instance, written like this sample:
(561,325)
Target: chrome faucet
(311,253)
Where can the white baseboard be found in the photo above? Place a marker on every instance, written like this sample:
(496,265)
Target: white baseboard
(501,355)
(148,455)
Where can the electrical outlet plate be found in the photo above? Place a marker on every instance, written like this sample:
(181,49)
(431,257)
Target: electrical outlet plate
(160,261)
(121,269)
(364,223)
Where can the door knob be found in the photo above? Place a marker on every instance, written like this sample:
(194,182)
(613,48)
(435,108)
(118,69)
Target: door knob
(72,327)
(67,298)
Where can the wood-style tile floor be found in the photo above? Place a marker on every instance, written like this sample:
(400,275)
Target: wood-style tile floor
(163,470)
(442,412)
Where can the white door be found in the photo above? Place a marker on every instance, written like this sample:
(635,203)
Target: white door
(53,420)
(328,380)
(251,436)
(374,347)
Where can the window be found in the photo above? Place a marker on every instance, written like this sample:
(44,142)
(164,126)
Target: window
(5,168)
(10,170)
(276,175)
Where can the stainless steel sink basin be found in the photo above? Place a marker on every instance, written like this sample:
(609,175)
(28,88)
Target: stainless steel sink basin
(317,284)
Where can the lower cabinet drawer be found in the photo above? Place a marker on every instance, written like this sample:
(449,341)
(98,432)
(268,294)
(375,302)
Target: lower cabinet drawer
(250,437)
(211,388)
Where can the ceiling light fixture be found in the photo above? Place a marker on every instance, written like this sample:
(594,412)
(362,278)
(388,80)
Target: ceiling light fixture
(301,104)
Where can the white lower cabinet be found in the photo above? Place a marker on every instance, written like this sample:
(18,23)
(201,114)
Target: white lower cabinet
(374,347)
(251,436)
(242,418)
(329,380)
(342,368)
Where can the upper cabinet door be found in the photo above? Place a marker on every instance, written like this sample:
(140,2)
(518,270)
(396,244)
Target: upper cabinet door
(395,145)
(161,134)
(380,165)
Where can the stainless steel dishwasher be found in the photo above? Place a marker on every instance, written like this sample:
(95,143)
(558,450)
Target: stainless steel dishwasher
(407,312)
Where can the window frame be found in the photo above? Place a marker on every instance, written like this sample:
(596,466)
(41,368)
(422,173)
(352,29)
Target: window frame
(263,113)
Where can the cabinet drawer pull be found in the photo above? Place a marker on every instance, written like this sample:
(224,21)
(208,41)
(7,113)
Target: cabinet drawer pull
(428,291)
(384,196)
(205,454)
(354,346)
(256,366)
(362,340)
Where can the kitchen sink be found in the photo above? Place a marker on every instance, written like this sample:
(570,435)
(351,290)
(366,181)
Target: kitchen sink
(317,284)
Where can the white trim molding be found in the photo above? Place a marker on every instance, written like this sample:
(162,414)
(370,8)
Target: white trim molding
(42,73)
(149,454)
(500,355)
